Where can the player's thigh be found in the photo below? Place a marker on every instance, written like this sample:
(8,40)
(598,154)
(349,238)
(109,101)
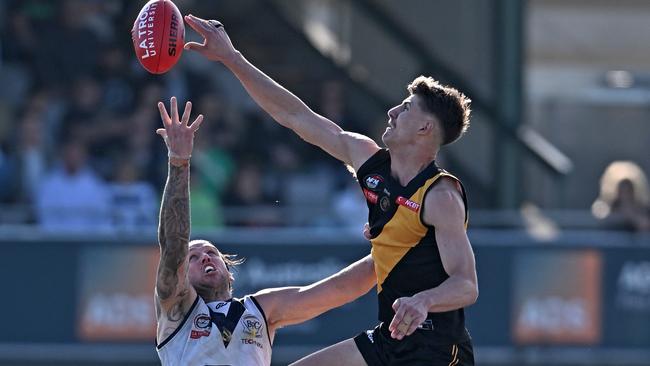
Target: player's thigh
(341,354)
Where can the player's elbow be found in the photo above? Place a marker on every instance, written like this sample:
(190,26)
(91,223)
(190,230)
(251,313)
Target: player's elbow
(472,292)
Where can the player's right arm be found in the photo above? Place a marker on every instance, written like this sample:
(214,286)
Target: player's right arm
(287,109)
(174,294)
(296,304)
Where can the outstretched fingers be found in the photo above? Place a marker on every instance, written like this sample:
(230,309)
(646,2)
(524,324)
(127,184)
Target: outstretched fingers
(167,122)
(201,26)
(186,113)
(197,123)
(174,108)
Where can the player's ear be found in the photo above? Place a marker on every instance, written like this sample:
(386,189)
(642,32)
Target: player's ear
(427,127)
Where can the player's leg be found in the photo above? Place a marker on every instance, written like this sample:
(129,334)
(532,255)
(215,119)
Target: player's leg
(341,354)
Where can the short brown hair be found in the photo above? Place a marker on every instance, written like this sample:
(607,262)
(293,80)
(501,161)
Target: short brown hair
(451,107)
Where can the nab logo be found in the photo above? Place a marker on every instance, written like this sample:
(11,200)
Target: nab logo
(373,181)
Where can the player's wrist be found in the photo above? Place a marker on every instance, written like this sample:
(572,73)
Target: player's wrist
(232,59)
(424,299)
(178,161)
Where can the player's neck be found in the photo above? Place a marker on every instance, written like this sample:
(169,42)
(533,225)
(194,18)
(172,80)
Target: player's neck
(211,296)
(407,163)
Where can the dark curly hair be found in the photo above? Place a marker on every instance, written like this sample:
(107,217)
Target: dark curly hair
(451,107)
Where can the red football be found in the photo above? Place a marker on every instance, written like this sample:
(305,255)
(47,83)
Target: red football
(158,36)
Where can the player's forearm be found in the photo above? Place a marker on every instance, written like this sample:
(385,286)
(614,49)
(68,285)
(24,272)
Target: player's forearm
(454,293)
(174,227)
(285,107)
(347,285)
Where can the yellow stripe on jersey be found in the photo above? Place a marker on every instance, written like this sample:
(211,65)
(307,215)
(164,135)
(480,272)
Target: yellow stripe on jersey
(401,233)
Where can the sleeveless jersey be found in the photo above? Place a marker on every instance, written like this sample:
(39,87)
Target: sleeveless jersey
(404,248)
(232,332)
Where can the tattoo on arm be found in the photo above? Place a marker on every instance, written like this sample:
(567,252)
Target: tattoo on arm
(173,230)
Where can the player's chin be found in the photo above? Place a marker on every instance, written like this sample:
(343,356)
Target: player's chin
(386,136)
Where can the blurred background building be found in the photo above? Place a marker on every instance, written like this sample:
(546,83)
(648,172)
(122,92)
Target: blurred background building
(555,164)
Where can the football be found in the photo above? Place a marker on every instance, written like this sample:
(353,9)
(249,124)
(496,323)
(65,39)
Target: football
(158,36)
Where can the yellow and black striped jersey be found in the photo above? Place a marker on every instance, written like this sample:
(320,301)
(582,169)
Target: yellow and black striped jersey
(404,248)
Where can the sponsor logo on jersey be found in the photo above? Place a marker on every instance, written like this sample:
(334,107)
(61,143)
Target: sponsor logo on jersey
(202,323)
(372,197)
(196,334)
(220,305)
(373,181)
(252,326)
(252,330)
(413,206)
(384,203)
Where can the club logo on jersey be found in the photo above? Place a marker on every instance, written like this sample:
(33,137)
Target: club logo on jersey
(202,322)
(384,203)
(374,181)
(413,206)
(252,330)
(372,197)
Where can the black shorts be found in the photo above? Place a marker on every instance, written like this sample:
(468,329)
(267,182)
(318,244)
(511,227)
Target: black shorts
(379,349)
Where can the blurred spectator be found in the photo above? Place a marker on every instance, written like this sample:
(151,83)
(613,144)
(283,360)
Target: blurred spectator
(624,200)
(72,197)
(145,148)
(69,47)
(247,189)
(119,91)
(205,204)
(32,156)
(350,209)
(134,204)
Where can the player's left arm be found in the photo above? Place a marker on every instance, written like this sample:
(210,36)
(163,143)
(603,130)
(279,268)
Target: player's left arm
(445,210)
(292,305)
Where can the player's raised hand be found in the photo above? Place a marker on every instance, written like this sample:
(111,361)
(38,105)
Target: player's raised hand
(178,136)
(410,312)
(216,44)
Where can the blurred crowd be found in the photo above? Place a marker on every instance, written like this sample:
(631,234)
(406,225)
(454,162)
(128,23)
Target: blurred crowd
(78,149)
(77,144)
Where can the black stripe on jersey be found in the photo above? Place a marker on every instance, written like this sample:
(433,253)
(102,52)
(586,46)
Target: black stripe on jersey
(159,346)
(259,307)
(377,159)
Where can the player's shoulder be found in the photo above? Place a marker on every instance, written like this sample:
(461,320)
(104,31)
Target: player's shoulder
(446,183)
(360,148)
(444,201)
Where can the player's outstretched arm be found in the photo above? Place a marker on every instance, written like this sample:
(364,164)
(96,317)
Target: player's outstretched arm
(174,294)
(292,305)
(287,109)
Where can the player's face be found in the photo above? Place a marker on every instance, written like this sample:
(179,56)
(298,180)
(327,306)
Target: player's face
(207,270)
(404,122)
